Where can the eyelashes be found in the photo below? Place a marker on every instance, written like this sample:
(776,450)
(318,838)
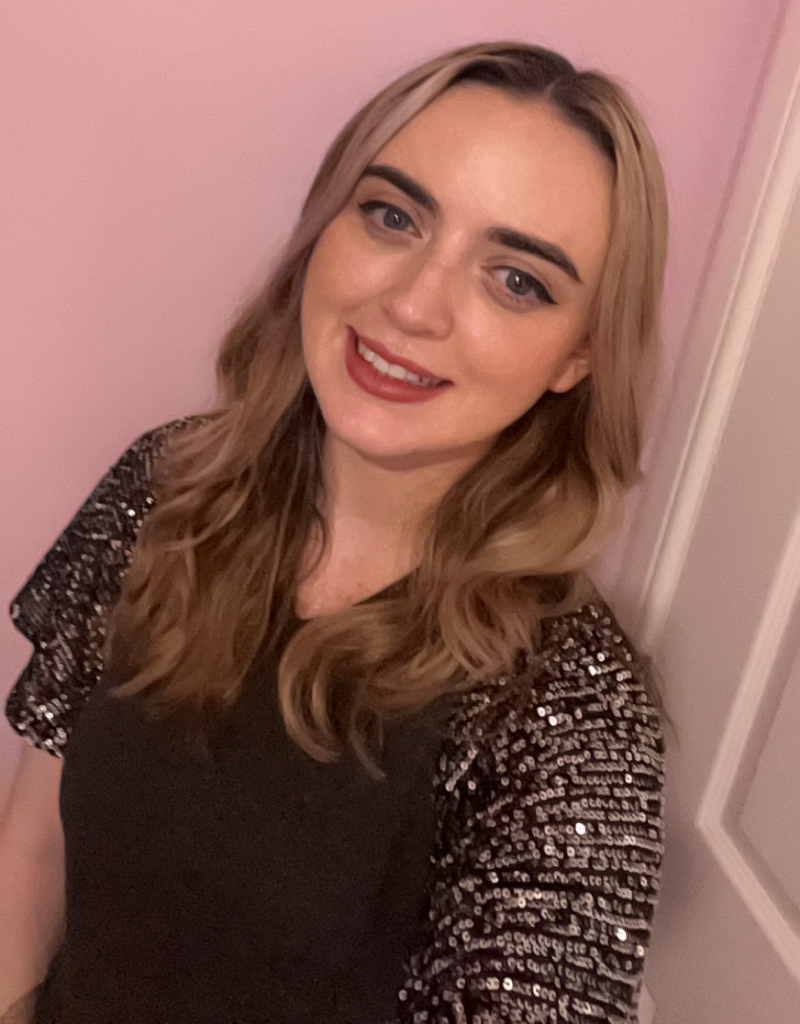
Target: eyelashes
(519,288)
(522,285)
(393,219)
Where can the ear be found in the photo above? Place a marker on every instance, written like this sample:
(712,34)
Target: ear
(574,368)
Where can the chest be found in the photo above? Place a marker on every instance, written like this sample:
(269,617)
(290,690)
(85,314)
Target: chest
(311,861)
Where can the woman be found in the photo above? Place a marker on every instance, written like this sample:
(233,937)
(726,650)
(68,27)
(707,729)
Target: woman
(362,744)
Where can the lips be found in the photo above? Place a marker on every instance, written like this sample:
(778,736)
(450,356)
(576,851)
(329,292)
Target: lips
(385,375)
(386,362)
(391,369)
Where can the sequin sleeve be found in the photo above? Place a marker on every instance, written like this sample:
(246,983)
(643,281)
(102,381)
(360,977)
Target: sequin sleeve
(61,609)
(549,844)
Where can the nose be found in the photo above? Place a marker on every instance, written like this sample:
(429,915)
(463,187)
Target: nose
(419,300)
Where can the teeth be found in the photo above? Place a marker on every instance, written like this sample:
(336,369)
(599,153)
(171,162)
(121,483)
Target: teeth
(392,369)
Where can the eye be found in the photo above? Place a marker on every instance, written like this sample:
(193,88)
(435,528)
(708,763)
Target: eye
(523,287)
(386,215)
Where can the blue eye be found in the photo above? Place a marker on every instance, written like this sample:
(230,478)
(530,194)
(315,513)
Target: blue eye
(393,218)
(524,286)
(396,219)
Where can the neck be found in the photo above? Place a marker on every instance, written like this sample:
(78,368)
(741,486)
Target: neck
(374,514)
(389,498)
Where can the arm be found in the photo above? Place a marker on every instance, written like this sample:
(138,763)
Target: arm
(31,880)
(548,857)
(61,610)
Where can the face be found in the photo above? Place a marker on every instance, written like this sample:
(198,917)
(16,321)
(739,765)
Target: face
(456,285)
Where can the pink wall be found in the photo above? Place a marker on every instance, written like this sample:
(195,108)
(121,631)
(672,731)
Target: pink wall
(155,153)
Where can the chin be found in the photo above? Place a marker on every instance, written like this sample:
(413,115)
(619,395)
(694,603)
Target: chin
(384,450)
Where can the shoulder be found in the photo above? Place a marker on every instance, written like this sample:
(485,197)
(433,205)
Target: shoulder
(582,661)
(583,691)
(101,532)
(131,478)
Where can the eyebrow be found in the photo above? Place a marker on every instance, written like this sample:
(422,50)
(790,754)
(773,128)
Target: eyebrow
(535,247)
(502,236)
(402,181)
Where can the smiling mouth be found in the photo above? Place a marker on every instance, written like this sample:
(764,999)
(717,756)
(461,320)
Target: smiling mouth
(394,370)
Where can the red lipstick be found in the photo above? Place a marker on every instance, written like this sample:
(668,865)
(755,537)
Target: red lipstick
(380,384)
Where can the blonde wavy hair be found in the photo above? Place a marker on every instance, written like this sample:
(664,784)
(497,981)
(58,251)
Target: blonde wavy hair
(210,589)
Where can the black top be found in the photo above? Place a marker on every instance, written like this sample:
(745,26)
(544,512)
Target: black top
(199,881)
(209,881)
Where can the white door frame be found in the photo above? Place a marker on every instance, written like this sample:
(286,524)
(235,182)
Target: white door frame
(717,343)
(715,352)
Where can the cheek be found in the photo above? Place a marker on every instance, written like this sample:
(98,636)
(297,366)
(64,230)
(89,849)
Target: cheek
(342,269)
(321,275)
(519,359)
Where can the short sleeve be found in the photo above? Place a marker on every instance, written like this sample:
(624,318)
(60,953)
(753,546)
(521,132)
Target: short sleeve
(548,856)
(62,608)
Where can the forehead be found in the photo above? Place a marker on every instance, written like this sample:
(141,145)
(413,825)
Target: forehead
(492,158)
